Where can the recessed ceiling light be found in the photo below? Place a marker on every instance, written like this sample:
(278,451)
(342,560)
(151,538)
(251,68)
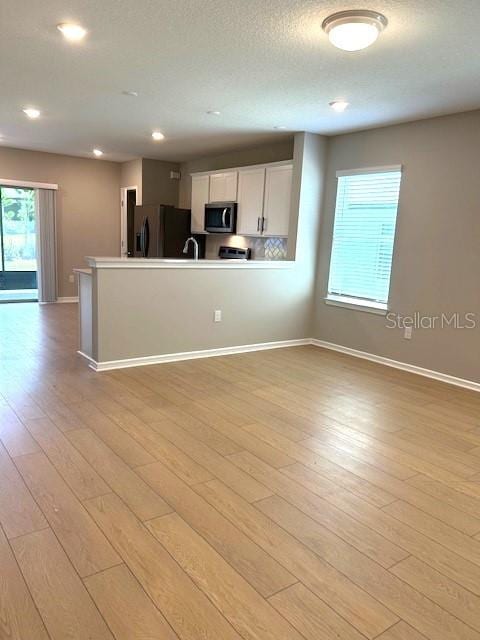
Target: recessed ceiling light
(354,30)
(32,113)
(158,135)
(214,113)
(133,94)
(339,105)
(71,31)
(97,152)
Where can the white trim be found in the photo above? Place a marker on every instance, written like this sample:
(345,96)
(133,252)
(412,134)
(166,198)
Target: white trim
(175,263)
(123,216)
(355,172)
(29,185)
(225,351)
(357,304)
(396,364)
(68,299)
(191,355)
(246,167)
(93,363)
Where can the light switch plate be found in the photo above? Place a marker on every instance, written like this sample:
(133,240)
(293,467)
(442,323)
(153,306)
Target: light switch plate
(217,315)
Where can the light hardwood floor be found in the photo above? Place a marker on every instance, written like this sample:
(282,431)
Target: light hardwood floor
(282,495)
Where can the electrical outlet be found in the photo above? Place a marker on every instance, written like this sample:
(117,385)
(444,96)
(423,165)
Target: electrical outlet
(217,315)
(71,278)
(407,334)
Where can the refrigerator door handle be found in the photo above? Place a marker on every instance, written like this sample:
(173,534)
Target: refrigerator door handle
(146,236)
(142,238)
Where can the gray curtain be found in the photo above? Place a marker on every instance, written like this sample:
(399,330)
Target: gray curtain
(46,246)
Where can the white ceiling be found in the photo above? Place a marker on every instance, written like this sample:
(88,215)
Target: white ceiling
(262,63)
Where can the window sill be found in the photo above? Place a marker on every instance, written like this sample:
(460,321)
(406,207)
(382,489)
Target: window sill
(357,305)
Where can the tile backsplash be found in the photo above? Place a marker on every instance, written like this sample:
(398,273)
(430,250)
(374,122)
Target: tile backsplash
(262,248)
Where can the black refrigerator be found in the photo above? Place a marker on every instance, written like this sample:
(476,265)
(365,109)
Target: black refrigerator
(160,231)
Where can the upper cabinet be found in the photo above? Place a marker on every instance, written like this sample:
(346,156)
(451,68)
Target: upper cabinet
(200,192)
(251,191)
(276,207)
(263,194)
(223,186)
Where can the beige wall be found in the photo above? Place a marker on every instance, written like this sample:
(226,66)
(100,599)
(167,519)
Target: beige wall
(88,204)
(145,312)
(152,179)
(157,186)
(436,265)
(241,158)
(131,176)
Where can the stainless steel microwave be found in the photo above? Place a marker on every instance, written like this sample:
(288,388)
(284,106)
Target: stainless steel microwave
(221,217)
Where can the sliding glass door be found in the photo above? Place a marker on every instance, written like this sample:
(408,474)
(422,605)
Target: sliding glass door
(18,257)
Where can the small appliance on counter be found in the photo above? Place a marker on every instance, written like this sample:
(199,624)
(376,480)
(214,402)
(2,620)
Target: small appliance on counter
(221,217)
(160,231)
(234,253)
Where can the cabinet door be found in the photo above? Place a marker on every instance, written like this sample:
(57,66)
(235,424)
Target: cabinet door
(251,189)
(278,190)
(200,186)
(223,186)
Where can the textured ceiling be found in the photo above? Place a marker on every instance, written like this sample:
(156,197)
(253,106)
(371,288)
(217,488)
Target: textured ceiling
(262,63)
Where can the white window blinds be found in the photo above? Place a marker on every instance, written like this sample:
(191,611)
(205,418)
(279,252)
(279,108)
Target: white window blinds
(364,232)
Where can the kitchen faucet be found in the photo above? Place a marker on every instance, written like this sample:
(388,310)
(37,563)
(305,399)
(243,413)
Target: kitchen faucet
(195,247)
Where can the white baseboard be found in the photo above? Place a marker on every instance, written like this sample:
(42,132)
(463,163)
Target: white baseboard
(396,364)
(225,351)
(190,355)
(72,299)
(92,362)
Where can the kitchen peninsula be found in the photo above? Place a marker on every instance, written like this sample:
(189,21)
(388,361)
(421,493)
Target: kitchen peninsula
(141,311)
(136,311)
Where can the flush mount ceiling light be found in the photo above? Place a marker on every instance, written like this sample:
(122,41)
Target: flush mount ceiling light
(339,105)
(214,113)
(97,152)
(354,30)
(132,94)
(32,113)
(158,135)
(280,126)
(71,31)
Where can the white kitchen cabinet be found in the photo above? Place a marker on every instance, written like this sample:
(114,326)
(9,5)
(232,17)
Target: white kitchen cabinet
(276,207)
(223,186)
(200,193)
(251,191)
(263,194)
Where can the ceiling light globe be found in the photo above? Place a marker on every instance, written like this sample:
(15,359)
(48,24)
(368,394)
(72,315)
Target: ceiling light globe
(97,152)
(354,30)
(32,113)
(339,105)
(71,31)
(354,36)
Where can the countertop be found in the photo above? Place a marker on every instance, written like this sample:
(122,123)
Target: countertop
(178,263)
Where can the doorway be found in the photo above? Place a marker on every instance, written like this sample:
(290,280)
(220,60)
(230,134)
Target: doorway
(18,251)
(129,201)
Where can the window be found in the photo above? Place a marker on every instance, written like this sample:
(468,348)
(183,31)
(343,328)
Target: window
(363,236)
(18,259)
